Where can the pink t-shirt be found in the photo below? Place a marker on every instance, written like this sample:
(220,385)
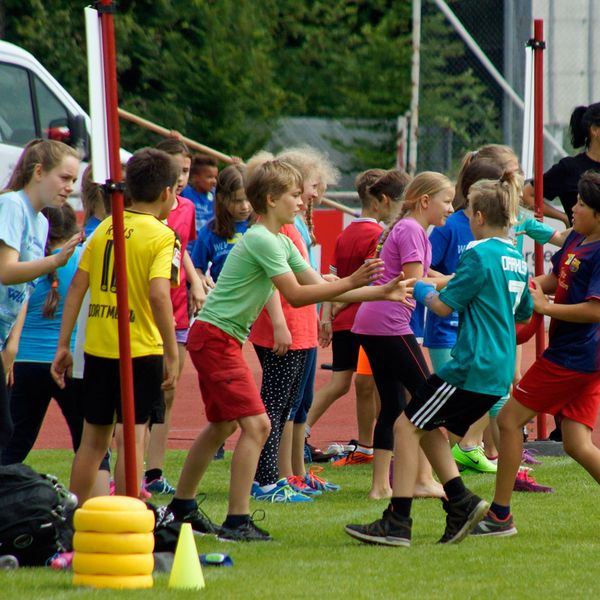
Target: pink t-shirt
(407,243)
(182,220)
(302,321)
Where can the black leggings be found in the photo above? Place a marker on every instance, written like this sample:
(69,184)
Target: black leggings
(29,399)
(6,426)
(397,363)
(281,380)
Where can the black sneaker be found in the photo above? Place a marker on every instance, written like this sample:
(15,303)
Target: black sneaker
(390,530)
(247,532)
(462,517)
(198,519)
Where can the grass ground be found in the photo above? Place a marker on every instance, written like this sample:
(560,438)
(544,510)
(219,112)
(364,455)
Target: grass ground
(555,554)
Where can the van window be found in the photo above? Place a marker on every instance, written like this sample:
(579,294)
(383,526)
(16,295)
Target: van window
(17,124)
(54,118)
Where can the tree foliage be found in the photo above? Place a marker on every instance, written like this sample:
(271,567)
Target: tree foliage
(224,71)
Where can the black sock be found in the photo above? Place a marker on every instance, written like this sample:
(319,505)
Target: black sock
(153,474)
(181,508)
(501,512)
(401,506)
(235,521)
(454,488)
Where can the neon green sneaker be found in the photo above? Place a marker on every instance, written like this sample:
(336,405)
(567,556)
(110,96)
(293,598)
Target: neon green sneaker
(473,459)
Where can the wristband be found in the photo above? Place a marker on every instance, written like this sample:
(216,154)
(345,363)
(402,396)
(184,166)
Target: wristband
(424,292)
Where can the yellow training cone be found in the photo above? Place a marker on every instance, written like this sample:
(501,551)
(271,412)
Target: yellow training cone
(186,572)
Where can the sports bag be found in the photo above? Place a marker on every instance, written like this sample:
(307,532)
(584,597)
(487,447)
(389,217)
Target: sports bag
(36,515)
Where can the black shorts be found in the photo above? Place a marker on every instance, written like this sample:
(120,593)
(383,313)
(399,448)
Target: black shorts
(345,346)
(102,391)
(436,403)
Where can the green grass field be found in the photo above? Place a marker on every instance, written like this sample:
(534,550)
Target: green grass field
(555,554)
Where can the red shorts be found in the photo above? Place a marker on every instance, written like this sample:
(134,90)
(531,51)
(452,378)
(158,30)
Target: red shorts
(550,388)
(226,383)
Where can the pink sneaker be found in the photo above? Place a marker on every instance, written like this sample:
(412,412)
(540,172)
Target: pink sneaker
(62,560)
(526,483)
(528,457)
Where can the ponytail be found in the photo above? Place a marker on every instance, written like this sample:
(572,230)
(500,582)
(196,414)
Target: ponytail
(498,200)
(62,226)
(582,119)
(426,183)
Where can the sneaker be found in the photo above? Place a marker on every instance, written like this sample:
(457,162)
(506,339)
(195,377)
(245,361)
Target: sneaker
(473,459)
(144,493)
(61,560)
(282,492)
(313,480)
(356,457)
(198,519)
(298,484)
(462,517)
(492,525)
(160,486)
(111,487)
(526,483)
(220,453)
(314,454)
(390,530)
(248,532)
(528,457)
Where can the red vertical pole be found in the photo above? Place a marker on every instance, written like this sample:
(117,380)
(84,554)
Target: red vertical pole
(106,8)
(538,173)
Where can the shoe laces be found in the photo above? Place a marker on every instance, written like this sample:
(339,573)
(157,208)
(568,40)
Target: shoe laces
(297,481)
(312,475)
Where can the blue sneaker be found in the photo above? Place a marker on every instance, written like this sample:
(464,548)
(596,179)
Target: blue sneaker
(318,483)
(159,486)
(282,492)
(298,484)
(220,453)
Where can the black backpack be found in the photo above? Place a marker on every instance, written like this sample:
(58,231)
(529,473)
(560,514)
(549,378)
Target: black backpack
(36,515)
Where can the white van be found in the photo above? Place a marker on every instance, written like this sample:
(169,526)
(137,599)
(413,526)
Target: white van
(35,105)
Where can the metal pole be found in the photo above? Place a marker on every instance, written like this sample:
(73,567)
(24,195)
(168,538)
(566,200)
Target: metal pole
(106,9)
(414,86)
(538,165)
(489,66)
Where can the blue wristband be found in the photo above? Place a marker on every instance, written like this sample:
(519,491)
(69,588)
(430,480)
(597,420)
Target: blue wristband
(422,290)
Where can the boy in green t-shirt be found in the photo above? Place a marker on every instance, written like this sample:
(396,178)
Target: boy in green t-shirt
(261,261)
(490,293)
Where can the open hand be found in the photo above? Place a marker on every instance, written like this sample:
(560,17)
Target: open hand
(67,250)
(400,290)
(368,272)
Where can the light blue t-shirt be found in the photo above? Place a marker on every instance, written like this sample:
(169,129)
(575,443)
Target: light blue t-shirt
(490,292)
(204,206)
(39,337)
(26,231)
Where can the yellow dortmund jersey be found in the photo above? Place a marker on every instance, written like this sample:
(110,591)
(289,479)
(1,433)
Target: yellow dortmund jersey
(152,250)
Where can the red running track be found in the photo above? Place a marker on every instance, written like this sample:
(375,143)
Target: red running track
(338,424)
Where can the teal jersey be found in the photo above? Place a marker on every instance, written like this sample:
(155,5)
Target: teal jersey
(490,292)
(538,231)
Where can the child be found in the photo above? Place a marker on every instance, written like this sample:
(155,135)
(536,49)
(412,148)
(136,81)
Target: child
(380,194)
(283,337)
(384,329)
(200,190)
(490,292)
(33,386)
(260,260)
(45,175)
(565,380)
(181,220)
(233,216)
(153,264)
